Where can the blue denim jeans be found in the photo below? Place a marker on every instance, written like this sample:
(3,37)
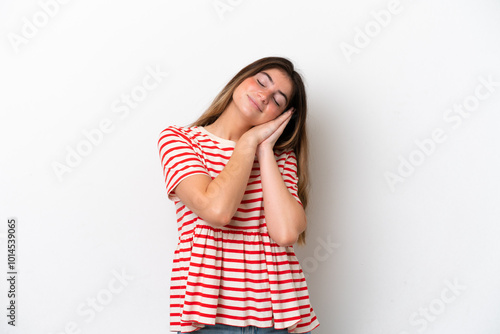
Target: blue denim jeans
(225,329)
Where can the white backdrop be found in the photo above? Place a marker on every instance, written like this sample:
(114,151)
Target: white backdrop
(403,233)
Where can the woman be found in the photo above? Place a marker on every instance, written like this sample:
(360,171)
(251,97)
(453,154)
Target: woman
(238,178)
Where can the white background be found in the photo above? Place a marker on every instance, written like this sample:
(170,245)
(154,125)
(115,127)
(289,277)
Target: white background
(379,259)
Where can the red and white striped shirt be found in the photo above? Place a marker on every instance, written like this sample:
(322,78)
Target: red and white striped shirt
(234,275)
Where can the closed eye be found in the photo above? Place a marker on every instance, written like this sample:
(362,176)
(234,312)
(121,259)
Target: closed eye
(260,83)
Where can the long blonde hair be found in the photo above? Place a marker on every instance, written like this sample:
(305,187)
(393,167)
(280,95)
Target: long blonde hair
(293,137)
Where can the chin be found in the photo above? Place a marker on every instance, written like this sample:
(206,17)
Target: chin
(251,115)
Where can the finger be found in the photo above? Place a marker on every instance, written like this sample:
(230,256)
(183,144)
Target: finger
(289,111)
(279,130)
(274,124)
(288,116)
(284,116)
(271,127)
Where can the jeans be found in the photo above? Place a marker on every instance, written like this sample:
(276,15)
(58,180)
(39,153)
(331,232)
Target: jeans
(225,329)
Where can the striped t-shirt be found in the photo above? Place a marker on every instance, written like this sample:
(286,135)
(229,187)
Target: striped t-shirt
(234,275)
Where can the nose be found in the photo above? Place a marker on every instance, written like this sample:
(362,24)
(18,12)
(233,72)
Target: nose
(264,96)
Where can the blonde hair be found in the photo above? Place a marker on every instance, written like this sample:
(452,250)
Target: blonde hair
(293,137)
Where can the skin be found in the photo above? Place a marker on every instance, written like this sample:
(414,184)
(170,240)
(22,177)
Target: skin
(254,119)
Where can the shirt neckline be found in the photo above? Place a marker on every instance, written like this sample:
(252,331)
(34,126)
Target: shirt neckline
(228,142)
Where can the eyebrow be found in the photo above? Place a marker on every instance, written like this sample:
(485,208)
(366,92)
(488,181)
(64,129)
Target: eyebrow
(279,91)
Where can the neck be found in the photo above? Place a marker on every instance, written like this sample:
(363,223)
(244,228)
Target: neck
(229,125)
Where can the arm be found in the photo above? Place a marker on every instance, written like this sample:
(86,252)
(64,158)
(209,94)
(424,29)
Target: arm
(217,200)
(285,216)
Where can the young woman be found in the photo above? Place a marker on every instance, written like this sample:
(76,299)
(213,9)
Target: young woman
(238,178)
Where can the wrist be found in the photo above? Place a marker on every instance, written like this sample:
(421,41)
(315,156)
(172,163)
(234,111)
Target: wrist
(247,142)
(265,151)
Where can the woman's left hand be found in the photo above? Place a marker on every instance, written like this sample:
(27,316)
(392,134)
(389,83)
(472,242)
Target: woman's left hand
(269,142)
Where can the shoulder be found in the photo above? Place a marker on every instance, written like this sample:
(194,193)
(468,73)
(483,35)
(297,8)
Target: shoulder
(183,133)
(175,130)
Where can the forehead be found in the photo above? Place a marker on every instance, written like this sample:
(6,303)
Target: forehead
(280,79)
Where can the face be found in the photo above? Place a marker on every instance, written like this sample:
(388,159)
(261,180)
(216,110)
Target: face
(264,96)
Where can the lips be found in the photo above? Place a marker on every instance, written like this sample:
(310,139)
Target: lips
(252,101)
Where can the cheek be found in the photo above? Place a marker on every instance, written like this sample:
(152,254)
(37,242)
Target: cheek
(240,91)
(248,84)
(275,110)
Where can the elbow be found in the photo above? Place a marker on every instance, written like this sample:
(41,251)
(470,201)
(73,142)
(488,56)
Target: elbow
(288,235)
(221,220)
(215,214)
(286,240)
(218,217)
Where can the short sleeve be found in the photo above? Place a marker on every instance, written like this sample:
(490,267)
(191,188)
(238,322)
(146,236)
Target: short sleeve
(180,158)
(290,175)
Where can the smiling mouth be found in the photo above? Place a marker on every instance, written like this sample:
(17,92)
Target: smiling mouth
(254,103)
